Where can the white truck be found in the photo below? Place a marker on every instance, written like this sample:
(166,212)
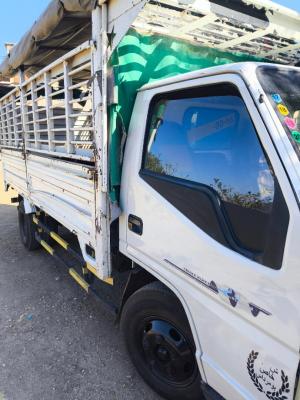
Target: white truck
(155,150)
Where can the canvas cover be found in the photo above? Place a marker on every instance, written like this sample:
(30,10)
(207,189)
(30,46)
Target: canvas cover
(64,25)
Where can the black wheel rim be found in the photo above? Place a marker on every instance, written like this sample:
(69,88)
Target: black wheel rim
(168,353)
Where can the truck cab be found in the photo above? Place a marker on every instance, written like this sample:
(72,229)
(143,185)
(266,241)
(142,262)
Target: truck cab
(210,192)
(158,146)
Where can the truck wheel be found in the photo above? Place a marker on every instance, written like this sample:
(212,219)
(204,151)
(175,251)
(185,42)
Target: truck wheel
(27,229)
(160,343)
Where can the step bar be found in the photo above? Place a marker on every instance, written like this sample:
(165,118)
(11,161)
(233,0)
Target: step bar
(85,267)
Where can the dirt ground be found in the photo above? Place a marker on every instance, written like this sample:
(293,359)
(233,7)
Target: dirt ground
(55,341)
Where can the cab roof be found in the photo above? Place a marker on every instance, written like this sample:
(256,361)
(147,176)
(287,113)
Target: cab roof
(241,68)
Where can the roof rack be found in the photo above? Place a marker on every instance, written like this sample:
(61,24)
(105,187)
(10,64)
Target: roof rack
(258,28)
(255,27)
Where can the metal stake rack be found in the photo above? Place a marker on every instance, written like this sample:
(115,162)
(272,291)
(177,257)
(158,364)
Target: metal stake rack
(51,112)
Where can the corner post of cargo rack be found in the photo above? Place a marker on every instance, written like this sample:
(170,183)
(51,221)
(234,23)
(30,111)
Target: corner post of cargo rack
(99,74)
(24,109)
(24,119)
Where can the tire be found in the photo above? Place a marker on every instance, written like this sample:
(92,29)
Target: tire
(27,229)
(160,343)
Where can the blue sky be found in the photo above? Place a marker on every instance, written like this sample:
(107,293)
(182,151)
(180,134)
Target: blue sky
(17,16)
(295,4)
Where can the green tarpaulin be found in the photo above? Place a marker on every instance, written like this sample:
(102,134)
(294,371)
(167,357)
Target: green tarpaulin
(140,59)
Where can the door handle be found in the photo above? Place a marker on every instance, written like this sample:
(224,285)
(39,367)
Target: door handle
(135,224)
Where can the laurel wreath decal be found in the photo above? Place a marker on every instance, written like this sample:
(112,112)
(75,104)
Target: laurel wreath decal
(275,395)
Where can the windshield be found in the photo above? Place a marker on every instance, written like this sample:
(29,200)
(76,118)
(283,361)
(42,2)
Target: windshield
(282,86)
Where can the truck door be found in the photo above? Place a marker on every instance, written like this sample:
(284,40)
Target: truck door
(211,212)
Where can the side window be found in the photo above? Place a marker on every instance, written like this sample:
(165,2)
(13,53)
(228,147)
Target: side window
(202,152)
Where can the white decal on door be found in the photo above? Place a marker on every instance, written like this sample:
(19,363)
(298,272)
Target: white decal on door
(225,293)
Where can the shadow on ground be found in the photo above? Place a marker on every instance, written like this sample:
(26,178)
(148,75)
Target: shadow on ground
(55,341)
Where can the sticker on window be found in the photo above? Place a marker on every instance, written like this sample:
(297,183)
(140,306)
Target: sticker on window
(199,132)
(296,136)
(290,123)
(283,110)
(277,98)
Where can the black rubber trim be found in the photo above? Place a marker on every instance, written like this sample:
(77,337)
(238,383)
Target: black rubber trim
(209,393)
(278,228)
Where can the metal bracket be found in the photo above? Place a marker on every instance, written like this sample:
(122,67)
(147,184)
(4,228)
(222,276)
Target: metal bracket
(99,76)
(29,208)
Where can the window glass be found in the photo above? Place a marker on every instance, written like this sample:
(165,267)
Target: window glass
(282,86)
(206,137)
(212,141)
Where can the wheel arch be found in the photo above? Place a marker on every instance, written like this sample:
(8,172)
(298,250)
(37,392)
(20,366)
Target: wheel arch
(140,277)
